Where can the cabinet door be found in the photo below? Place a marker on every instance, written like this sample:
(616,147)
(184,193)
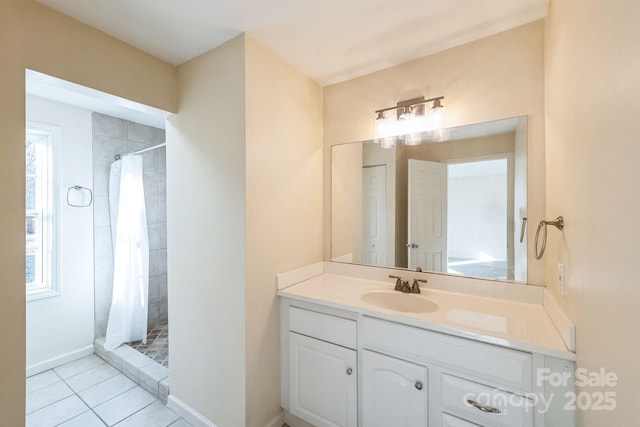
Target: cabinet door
(322,382)
(394,392)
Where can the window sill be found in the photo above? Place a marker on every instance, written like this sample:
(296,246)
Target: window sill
(38,294)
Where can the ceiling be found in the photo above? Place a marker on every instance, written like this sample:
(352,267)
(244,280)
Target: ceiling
(328,40)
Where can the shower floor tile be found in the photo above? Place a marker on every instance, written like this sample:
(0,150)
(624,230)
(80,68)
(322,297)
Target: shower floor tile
(157,346)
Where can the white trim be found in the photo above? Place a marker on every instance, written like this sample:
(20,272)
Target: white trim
(66,92)
(54,362)
(188,413)
(560,320)
(52,249)
(277,421)
(289,278)
(41,293)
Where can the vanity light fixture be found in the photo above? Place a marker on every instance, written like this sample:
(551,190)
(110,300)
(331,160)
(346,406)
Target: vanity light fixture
(409,121)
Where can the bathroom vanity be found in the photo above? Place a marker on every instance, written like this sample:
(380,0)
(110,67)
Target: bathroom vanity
(357,353)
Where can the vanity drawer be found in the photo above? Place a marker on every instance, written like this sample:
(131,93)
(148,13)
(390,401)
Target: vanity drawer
(485,405)
(451,421)
(322,326)
(501,366)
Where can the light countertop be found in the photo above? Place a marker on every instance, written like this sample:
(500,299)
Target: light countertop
(516,325)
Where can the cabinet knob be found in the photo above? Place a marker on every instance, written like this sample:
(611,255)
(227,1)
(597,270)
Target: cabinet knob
(349,371)
(418,385)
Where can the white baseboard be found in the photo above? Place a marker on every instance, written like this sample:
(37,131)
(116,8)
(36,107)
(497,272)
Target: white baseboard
(188,413)
(277,421)
(54,362)
(294,421)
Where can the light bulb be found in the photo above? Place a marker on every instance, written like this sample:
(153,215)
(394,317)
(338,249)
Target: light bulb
(388,142)
(440,135)
(415,129)
(385,128)
(414,138)
(436,116)
(435,123)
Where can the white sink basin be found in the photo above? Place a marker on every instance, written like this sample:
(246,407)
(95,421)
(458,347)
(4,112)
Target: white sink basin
(398,301)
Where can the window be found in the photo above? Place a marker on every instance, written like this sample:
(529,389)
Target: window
(40,212)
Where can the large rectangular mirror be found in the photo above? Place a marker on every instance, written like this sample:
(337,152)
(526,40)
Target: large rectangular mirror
(453,207)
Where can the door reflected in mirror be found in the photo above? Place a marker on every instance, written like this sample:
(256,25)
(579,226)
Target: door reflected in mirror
(453,207)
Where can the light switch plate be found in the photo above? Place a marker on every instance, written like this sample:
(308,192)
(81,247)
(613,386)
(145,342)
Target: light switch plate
(561,288)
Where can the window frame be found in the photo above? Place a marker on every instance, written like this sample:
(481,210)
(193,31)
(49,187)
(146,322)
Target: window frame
(48,215)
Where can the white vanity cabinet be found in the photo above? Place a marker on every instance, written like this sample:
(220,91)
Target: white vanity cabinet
(343,368)
(322,382)
(476,382)
(470,382)
(394,392)
(322,368)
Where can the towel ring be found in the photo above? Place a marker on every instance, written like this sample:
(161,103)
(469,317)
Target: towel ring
(558,223)
(79,188)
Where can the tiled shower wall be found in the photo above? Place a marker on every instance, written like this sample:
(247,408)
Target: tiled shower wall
(113,136)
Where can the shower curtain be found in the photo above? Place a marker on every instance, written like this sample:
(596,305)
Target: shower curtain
(129,305)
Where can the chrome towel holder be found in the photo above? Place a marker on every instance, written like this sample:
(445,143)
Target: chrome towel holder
(557,223)
(80,189)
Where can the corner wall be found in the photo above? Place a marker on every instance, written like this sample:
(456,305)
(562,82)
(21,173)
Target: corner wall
(36,37)
(592,68)
(492,78)
(284,209)
(206,235)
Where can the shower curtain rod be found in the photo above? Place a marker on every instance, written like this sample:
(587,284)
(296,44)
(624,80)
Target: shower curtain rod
(119,156)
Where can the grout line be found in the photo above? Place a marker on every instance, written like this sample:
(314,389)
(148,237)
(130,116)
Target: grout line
(100,382)
(90,409)
(81,372)
(52,403)
(80,415)
(124,419)
(89,406)
(158,331)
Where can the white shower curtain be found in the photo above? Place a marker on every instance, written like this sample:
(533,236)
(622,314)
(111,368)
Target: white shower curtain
(129,304)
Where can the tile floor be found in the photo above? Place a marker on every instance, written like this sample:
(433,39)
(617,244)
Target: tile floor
(157,346)
(89,392)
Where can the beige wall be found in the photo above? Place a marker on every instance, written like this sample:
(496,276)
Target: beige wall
(284,209)
(592,127)
(493,78)
(245,202)
(33,36)
(206,235)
